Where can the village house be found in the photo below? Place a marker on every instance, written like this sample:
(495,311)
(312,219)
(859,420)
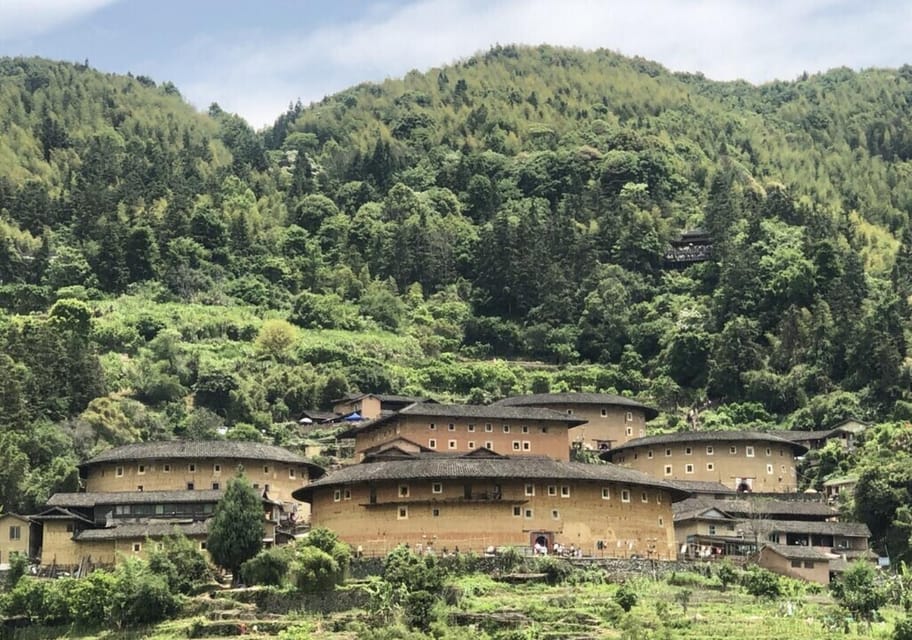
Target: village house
(745,461)
(17,537)
(481,500)
(463,428)
(846,432)
(144,491)
(610,419)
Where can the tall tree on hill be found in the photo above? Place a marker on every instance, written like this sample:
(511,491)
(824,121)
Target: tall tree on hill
(236,528)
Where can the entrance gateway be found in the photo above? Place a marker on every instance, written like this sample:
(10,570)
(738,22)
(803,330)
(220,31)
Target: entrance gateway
(542,539)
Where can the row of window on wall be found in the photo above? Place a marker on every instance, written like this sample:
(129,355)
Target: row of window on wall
(518,445)
(137,546)
(191,468)
(689,468)
(710,450)
(488,428)
(518,512)
(628,417)
(553,490)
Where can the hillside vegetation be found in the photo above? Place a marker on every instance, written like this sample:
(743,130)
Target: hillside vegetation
(478,230)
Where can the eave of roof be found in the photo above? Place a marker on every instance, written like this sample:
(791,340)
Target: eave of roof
(797,552)
(545,399)
(443,467)
(92,499)
(203,450)
(697,437)
(148,529)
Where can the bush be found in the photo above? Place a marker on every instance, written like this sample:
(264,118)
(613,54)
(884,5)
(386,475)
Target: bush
(89,598)
(625,597)
(419,609)
(556,570)
(180,563)
(859,591)
(761,583)
(902,630)
(268,567)
(402,568)
(726,574)
(689,579)
(139,596)
(314,570)
(18,565)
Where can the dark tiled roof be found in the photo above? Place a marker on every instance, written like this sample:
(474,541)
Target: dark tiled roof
(92,499)
(441,467)
(382,397)
(797,552)
(202,450)
(849,529)
(769,507)
(702,486)
(801,436)
(150,529)
(705,436)
(546,399)
(59,513)
(317,415)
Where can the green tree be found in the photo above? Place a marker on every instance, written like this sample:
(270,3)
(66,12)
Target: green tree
(859,591)
(236,528)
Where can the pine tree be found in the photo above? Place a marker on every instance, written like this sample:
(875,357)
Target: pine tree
(236,529)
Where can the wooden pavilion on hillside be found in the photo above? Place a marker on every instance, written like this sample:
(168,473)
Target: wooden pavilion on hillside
(691,247)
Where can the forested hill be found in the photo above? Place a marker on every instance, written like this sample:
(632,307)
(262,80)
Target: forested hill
(482,229)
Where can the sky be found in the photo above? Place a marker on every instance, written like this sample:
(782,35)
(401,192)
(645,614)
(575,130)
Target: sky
(254,57)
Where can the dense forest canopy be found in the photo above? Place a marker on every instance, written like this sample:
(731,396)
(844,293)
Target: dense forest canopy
(486,228)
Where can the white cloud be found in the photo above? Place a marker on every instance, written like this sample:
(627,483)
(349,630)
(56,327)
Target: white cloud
(20,19)
(257,74)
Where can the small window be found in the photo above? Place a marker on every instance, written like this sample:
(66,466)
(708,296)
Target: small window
(346,494)
(216,486)
(517,512)
(625,495)
(489,427)
(432,426)
(749,451)
(565,491)
(649,454)
(644,497)
(437,487)
(265,469)
(191,486)
(796,564)
(629,416)
(432,443)
(203,545)
(141,469)
(712,529)
(569,412)
(291,472)
(688,451)
(451,444)
(525,429)
(544,429)
(606,493)
(658,497)
(527,445)
(769,469)
(661,521)
(552,489)
(139,487)
(604,412)
(471,428)
(688,468)
(191,468)
(70,527)
(435,512)
(118,472)
(629,431)
(471,445)
(709,451)
(528,513)
(530,489)
(337,495)
(489,445)
(166,468)
(808,564)
(403,491)
(15,533)
(137,547)
(451,427)
(517,445)
(667,469)
(555,514)
(506,428)
(216,468)
(667,453)
(710,466)
(403,513)
(769,452)
(733,450)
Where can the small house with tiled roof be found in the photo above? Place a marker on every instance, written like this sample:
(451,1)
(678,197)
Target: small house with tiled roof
(745,461)
(369,406)
(609,420)
(481,500)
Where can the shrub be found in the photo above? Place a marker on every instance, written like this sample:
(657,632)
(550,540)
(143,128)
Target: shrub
(139,596)
(689,579)
(419,609)
(18,565)
(726,574)
(313,570)
(402,568)
(89,598)
(902,630)
(556,570)
(761,583)
(625,597)
(268,567)
(180,563)
(859,591)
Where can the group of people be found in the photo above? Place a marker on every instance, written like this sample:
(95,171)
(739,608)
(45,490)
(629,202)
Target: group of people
(541,549)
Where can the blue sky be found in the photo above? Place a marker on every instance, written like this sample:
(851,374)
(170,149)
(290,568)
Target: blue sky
(254,57)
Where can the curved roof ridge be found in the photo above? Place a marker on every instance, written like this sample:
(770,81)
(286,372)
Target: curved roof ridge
(705,436)
(576,397)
